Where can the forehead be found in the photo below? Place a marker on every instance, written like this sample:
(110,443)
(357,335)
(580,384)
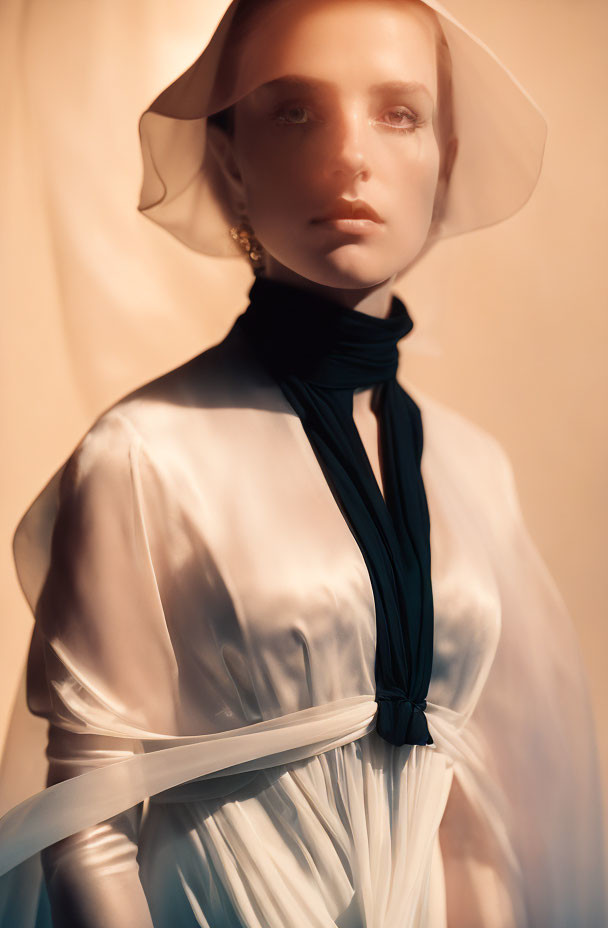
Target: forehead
(354,45)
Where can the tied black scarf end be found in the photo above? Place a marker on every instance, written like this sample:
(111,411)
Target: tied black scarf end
(400,720)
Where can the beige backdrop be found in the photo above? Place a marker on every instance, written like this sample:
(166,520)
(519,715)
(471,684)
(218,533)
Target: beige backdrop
(511,322)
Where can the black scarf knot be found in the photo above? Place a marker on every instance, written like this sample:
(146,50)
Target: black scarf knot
(402,717)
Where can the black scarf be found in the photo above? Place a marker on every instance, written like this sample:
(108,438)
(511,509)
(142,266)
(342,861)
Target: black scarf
(319,352)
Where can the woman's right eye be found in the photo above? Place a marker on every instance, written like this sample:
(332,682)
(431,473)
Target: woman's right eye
(295,115)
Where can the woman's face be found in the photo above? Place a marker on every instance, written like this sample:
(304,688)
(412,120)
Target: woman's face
(351,116)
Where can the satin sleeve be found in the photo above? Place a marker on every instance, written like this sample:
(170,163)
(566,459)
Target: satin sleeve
(89,670)
(92,877)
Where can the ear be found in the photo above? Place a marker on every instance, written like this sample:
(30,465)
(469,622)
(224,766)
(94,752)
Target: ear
(222,148)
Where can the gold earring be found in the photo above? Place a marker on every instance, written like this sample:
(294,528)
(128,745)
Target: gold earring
(245,238)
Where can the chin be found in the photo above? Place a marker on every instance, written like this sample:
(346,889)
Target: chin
(355,272)
(344,271)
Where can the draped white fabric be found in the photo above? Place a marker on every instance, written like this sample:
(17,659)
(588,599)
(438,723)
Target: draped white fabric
(205,635)
(186,631)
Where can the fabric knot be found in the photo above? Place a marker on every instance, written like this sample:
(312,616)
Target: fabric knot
(401,720)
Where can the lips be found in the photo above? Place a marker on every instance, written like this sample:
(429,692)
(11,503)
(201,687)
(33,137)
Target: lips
(350,209)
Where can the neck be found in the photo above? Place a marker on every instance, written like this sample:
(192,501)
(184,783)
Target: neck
(314,338)
(375,300)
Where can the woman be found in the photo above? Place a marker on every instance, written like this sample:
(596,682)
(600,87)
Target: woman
(235,615)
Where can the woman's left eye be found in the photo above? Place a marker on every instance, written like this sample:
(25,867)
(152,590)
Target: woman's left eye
(403,119)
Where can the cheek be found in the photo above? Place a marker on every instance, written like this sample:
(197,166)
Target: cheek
(278,191)
(266,177)
(414,178)
(268,180)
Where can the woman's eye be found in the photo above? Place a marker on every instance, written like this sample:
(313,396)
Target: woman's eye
(293,115)
(401,118)
(297,114)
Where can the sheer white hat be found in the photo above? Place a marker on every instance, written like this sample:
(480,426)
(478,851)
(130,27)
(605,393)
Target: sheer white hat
(501,138)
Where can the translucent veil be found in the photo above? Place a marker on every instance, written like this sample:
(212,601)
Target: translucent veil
(534,731)
(524,818)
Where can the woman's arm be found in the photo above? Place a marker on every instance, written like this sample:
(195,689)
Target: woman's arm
(98,669)
(92,877)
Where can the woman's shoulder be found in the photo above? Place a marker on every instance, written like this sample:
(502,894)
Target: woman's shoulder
(152,412)
(224,376)
(105,465)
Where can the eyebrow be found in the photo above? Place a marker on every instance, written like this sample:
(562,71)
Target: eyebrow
(298,82)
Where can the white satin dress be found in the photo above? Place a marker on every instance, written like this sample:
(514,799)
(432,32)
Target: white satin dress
(205,635)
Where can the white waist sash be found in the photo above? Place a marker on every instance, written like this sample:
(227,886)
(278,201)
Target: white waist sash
(82,801)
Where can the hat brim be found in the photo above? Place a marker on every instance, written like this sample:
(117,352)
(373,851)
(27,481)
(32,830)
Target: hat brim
(501,139)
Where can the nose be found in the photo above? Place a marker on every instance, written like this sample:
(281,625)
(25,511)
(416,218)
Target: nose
(348,159)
